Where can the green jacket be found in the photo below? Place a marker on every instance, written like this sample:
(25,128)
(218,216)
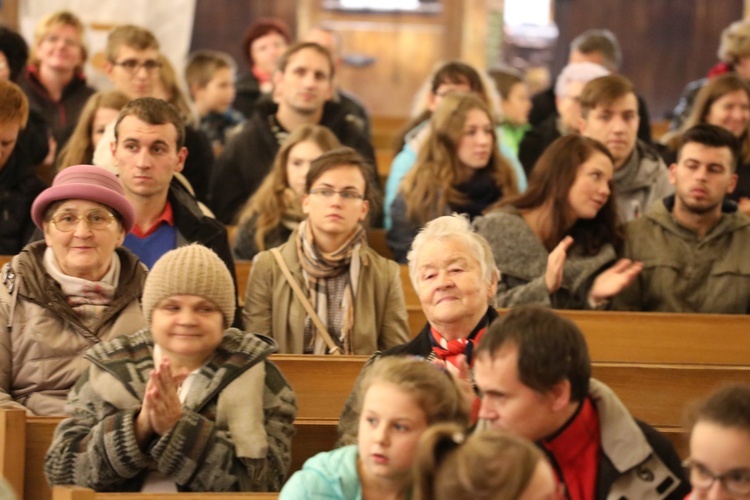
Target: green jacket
(684,273)
(234,434)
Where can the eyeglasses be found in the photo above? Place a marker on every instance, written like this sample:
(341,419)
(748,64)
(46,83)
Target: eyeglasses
(347,194)
(734,481)
(133,65)
(69,42)
(95,219)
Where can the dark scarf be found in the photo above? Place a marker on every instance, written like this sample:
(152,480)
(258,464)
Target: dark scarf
(480,191)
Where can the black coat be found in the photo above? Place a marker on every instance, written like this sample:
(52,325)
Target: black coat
(543,105)
(19,186)
(248,155)
(536,141)
(196,227)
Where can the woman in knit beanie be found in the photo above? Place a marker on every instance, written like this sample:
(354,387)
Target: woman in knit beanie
(183,405)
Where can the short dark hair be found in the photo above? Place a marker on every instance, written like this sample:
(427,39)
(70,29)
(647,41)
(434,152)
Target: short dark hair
(342,157)
(603,91)
(202,67)
(713,137)
(300,46)
(154,112)
(601,41)
(727,407)
(14,47)
(551,349)
(457,72)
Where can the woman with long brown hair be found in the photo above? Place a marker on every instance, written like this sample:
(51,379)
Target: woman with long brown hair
(275,210)
(552,243)
(459,169)
(325,290)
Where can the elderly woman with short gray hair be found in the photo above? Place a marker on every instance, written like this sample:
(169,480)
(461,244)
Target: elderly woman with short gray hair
(453,272)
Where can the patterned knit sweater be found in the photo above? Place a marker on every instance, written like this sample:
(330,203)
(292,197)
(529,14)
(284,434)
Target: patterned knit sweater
(234,435)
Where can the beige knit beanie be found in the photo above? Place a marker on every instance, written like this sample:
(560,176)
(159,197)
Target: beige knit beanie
(190,270)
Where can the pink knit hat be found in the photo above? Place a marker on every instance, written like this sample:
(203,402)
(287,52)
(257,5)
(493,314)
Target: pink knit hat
(85,182)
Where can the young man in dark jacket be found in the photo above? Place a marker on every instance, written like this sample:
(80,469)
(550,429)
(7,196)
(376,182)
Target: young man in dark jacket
(19,184)
(303,87)
(148,153)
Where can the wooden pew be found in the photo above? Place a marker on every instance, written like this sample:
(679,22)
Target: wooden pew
(26,441)
(13,448)
(322,383)
(231,234)
(78,493)
(385,129)
(376,240)
(39,432)
(383,160)
(655,393)
(652,337)
(242,270)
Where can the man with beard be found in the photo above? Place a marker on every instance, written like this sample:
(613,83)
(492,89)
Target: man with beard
(303,86)
(693,244)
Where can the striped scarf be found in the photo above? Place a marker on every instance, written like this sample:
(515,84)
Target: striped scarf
(317,268)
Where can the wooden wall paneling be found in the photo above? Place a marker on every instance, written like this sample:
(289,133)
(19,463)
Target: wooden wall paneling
(220,24)
(405,48)
(665,43)
(9,14)
(474,33)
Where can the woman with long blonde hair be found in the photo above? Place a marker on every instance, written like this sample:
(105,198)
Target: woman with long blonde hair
(275,210)
(458,169)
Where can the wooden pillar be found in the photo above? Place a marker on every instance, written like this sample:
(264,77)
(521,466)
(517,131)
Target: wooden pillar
(474,33)
(9,14)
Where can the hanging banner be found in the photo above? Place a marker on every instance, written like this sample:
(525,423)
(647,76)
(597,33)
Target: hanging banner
(170,21)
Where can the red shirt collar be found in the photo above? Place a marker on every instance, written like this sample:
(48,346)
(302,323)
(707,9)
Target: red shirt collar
(166,216)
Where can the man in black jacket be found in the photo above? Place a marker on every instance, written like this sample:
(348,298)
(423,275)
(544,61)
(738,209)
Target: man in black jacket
(303,87)
(534,372)
(148,152)
(599,47)
(19,184)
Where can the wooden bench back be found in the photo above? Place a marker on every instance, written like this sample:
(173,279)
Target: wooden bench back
(78,493)
(636,337)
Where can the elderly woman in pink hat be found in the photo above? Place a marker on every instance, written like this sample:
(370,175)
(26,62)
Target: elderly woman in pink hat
(60,296)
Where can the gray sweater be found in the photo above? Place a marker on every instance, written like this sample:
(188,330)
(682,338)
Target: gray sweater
(522,260)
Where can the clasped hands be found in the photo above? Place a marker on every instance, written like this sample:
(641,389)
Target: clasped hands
(161,407)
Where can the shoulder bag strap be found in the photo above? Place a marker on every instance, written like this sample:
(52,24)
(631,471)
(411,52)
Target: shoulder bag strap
(332,347)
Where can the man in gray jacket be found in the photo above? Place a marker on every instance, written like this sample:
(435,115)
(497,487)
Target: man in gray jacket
(534,372)
(609,110)
(694,244)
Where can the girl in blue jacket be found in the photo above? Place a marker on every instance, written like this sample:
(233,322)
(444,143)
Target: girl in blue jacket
(400,398)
